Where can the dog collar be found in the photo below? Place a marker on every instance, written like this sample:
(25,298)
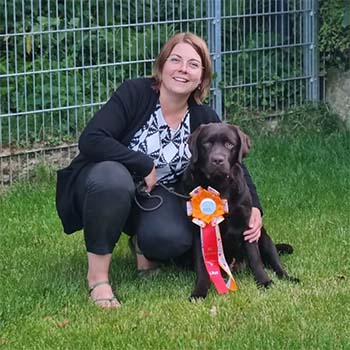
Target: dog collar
(207,209)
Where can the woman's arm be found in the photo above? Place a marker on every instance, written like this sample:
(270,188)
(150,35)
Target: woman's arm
(255,222)
(100,140)
(252,189)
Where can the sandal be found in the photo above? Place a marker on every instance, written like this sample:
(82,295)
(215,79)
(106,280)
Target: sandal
(113,301)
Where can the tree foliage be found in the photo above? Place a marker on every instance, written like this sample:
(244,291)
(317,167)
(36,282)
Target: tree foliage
(62,59)
(334,34)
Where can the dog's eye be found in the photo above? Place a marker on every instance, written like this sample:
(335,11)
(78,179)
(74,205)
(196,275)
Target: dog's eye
(207,144)
(229,145)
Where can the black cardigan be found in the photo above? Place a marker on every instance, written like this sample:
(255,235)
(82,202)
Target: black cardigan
(107,136)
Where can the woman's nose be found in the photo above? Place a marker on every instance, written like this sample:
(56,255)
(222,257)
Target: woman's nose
(183,66)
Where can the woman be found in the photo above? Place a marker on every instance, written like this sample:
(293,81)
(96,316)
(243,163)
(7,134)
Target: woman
(140,134)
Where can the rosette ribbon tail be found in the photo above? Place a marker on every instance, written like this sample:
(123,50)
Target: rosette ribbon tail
(206,208)
(231,283)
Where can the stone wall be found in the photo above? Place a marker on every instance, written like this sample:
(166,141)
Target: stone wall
(338,95)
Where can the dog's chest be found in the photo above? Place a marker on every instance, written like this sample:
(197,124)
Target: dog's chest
(237,219)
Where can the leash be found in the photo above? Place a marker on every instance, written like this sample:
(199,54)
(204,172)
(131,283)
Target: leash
(140,190)
(172,191)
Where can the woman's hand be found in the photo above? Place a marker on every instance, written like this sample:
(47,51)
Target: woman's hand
(255,224)
(151,180)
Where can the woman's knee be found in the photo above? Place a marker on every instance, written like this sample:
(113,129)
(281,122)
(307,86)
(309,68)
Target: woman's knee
(108,195)
(164,244)
(112,177)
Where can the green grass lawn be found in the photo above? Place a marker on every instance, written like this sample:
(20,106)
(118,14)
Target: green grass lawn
(304,187)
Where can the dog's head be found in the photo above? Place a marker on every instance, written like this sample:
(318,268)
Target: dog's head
(216,148)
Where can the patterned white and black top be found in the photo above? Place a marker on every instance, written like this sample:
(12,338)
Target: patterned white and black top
(167,147)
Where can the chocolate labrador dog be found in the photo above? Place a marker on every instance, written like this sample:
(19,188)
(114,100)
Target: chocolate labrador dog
(217,152)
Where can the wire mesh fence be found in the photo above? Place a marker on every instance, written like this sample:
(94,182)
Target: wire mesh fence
(268,56)
(60,61)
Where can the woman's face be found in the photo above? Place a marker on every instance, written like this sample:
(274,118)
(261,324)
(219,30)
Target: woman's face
(182,71)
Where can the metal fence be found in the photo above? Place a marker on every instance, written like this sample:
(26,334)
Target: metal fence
(60,60)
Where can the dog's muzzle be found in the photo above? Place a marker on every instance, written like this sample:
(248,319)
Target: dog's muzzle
(217,171)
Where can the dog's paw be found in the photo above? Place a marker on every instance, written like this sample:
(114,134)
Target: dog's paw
(293,279)
(265,285)
(195,298)
(198,294)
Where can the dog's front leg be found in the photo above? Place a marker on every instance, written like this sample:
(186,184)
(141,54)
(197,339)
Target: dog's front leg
(202,277)
(254,259)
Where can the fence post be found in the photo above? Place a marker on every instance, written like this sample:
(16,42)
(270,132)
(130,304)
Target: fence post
(214,43)
(311,59)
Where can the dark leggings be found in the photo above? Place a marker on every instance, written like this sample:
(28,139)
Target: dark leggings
(104,194)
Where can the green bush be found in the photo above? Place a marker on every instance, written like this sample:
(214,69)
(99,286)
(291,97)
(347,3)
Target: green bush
(301,120)
(79,66)
(334,35)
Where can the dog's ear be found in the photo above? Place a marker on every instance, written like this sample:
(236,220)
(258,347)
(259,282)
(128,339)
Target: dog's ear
(193,144)
(245,143)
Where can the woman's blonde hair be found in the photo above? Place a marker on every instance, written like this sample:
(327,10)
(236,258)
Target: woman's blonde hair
(200,47)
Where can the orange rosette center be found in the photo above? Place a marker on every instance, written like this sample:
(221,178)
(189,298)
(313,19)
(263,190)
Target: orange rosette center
(206,205)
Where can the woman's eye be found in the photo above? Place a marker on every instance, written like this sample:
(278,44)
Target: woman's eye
(174,60)
(229,145)
(194,65)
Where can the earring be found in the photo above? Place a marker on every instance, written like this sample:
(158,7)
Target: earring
(199,87)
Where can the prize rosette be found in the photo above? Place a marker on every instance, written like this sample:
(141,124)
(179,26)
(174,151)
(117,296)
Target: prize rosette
(207,210)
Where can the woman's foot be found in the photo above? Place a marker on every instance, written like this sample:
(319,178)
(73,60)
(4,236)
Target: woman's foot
(143,264)
(100,290)
(102,295)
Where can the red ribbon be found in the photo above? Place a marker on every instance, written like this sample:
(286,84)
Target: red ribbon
(210,255)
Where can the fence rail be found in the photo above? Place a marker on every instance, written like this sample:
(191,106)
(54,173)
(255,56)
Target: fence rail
(61,60)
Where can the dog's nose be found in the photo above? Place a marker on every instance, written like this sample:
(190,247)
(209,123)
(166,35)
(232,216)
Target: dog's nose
(218,160)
